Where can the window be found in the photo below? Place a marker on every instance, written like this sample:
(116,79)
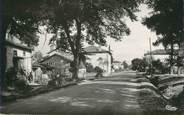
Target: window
(24,53)
(14,53)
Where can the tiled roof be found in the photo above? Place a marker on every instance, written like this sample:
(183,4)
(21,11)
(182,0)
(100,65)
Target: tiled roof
(161,52)
(62,54)
(8,42)
(94,49)
(117,62)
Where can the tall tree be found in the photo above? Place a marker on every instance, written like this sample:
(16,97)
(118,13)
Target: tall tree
(139,64)
(166,20)
(91,21)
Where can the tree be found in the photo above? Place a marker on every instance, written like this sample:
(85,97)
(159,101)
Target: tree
(159,67)
(139,64)
(125,65)
(22,19)
(78,21)
(166,20)
(37,56)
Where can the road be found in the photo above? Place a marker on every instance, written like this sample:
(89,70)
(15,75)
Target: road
(122,93)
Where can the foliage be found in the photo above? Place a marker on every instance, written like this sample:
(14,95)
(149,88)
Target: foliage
(139,64)
(9,78)
(159,67)
(16,81)
(22,19)
(89,67)
(57,80)
(166,20)
(79,21)
(99,71)
(21,85)
(125,65)
(37,56)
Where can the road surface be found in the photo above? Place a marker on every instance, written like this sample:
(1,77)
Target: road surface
(122,93)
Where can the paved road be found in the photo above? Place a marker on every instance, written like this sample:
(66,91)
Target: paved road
(122,93)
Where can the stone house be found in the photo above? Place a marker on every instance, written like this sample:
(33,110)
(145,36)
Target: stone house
(58,60)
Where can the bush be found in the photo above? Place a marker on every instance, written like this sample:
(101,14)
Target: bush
(57,81)
(99,72)
(9,78)
(21,85)
(89,67)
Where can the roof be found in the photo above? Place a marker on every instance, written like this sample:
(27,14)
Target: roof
(161,52)
(117,62)
(94,49)
(20,46)
(63,55)
(37,65)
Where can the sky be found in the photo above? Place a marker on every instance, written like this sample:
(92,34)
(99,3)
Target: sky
(132,46)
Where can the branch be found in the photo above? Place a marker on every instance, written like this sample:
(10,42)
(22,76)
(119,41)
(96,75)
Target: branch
(69,37)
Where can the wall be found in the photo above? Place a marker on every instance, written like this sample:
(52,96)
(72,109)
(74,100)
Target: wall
(60,64)
(20,53)
(9,57)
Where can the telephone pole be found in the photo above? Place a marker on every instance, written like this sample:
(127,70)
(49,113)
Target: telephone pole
(151,68)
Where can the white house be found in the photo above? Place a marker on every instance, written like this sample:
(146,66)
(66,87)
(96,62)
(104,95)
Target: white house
(160,54)
(18,55)
(99,57)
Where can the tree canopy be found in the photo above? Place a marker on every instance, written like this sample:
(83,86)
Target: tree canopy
(22,19)
(37,56)
(77,21)
(139,64)
(72,22)
(166,20)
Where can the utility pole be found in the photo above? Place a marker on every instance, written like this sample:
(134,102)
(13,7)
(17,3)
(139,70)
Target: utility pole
(151,68)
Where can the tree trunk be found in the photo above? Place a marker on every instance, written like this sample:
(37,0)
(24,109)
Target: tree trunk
(75,67)
(171,56)
(77,51)
(3,29)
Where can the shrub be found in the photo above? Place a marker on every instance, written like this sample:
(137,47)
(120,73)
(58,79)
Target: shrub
(21,85)
(9,78)
(99,72)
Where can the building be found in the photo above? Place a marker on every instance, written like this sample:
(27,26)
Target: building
(18,55)
(60,61)
(117,66)
(160,54)
(99,57)
(181,51)
(164,54)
